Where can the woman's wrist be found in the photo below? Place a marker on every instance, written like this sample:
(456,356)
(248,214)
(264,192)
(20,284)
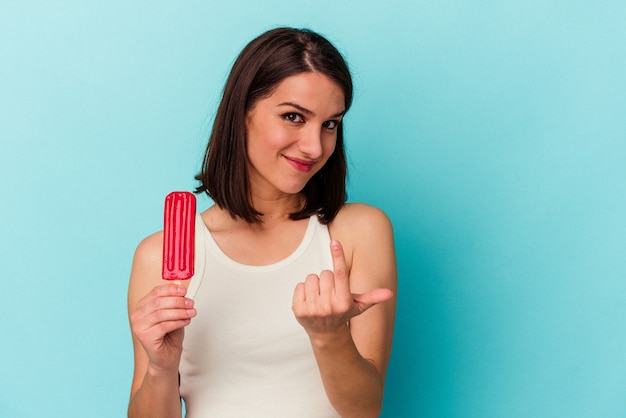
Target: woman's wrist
(160,373)
(330,339)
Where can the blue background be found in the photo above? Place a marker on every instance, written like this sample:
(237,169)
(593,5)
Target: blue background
(491,132)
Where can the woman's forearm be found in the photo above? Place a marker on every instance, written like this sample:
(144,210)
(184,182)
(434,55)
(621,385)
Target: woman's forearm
(353,384)
(158,396)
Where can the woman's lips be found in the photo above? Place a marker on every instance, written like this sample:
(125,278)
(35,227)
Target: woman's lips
(300,165)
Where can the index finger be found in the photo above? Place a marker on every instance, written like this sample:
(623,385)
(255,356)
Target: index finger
(340,268)
(161,291)
(170,289)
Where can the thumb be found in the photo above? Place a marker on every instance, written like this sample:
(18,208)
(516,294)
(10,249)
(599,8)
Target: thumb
(366,300)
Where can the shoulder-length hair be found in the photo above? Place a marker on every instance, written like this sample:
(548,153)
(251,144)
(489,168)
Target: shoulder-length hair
(261,66)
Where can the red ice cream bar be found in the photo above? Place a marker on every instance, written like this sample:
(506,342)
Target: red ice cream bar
(178,235)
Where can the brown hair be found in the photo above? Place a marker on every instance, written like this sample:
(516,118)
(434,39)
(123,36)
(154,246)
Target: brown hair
(261,66)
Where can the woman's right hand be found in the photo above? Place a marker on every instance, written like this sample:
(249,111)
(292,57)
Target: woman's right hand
(158,324)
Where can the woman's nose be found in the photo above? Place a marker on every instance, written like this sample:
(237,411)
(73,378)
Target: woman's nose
(310,143)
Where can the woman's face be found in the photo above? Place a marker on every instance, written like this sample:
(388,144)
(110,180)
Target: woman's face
(291,133)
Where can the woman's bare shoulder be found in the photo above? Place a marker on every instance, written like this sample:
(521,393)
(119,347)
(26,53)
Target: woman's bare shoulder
(149,250)
(360,219)
(365,232)
(146,270)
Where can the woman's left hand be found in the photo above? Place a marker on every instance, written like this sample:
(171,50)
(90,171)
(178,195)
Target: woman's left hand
(324,304)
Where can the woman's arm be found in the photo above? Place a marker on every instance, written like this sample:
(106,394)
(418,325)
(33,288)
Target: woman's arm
(157,313)
(359,291)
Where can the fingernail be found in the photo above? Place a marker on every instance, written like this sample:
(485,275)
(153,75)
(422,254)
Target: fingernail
(334,244)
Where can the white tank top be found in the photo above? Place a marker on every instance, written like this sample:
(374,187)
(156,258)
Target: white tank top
(245,354)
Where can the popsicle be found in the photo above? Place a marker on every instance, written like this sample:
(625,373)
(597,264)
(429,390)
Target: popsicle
(178,236)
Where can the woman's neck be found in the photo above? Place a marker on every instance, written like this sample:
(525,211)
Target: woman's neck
(277,208)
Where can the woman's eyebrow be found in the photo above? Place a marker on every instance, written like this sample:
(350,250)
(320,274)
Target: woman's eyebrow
(308,111)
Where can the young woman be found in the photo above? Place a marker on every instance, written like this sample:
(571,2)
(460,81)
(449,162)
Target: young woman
(290,312)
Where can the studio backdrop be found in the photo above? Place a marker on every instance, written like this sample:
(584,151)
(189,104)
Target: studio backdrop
(491,132)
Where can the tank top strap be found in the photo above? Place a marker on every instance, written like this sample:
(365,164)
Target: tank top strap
(199,258)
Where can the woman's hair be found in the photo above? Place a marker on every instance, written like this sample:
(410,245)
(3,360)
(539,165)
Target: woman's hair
(261,66)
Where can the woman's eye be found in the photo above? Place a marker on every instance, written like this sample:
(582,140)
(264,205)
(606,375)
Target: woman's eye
(331,124)
(293,117)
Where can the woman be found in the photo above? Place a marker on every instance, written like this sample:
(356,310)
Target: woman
(291,310)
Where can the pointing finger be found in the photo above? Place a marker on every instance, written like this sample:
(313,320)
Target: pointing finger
(340,269)
(326,282)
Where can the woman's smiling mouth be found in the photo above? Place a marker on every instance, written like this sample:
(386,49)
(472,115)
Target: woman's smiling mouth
(300,165)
